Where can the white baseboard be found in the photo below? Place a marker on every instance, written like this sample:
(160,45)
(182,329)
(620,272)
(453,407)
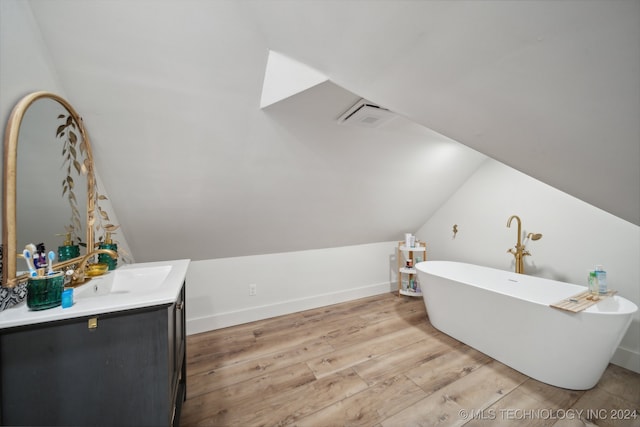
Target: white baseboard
(627,359)
(251,314)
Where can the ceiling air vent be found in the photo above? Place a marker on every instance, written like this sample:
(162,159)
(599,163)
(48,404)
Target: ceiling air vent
(367,114)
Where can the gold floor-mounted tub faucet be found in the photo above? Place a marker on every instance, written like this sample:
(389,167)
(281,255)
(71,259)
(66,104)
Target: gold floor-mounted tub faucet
(519,253)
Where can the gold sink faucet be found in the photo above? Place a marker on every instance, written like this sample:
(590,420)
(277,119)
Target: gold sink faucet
(78,276)
(519,253)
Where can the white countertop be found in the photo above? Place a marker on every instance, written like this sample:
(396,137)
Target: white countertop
(166,293)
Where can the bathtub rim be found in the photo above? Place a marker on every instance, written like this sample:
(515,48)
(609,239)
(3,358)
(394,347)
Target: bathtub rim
(625,306)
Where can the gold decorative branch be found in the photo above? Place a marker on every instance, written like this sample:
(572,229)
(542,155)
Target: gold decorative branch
(72,149)
(77,161)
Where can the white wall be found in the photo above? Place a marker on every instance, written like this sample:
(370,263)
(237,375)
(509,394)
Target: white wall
(218,289)
(576,237)
(26,66)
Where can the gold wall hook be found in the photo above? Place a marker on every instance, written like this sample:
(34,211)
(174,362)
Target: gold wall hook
(455,230)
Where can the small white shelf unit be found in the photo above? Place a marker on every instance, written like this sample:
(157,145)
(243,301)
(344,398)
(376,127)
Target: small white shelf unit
(407,275)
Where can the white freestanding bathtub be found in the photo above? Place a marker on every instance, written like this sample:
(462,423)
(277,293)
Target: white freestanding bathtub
(507,316)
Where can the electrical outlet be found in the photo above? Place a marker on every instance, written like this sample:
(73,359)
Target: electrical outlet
(252,289)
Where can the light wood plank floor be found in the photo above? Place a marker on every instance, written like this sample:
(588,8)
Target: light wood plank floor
(378,362)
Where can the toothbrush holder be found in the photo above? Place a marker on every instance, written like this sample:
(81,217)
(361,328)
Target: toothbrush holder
(45,292)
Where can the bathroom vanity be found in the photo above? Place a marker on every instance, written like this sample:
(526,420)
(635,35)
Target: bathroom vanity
(117,357)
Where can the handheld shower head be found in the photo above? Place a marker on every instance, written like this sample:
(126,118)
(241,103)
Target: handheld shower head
(534,236)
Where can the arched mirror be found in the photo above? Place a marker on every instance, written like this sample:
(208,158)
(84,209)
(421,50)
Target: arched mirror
(49,183)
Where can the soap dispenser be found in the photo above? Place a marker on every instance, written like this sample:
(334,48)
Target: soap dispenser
(104,258)
(68,250)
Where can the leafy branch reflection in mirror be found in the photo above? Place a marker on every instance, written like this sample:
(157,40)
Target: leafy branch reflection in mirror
(75,160)
(73,151)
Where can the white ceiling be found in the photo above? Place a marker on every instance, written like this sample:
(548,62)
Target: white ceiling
(170,92)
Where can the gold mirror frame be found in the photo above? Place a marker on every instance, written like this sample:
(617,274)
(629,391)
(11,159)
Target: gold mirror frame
(9,237)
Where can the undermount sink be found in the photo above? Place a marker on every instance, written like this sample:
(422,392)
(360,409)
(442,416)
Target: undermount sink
(134,280)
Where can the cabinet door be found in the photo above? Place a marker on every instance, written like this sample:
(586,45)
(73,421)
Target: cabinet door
(68,374)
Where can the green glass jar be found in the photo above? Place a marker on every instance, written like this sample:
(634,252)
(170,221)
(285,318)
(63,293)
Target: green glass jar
(104,258)
(45,292)
(68,250)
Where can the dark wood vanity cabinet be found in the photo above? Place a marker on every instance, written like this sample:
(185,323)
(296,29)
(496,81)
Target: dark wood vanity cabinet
(125,368)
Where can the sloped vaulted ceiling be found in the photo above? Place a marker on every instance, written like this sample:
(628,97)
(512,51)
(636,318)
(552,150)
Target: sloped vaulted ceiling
(170,91)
